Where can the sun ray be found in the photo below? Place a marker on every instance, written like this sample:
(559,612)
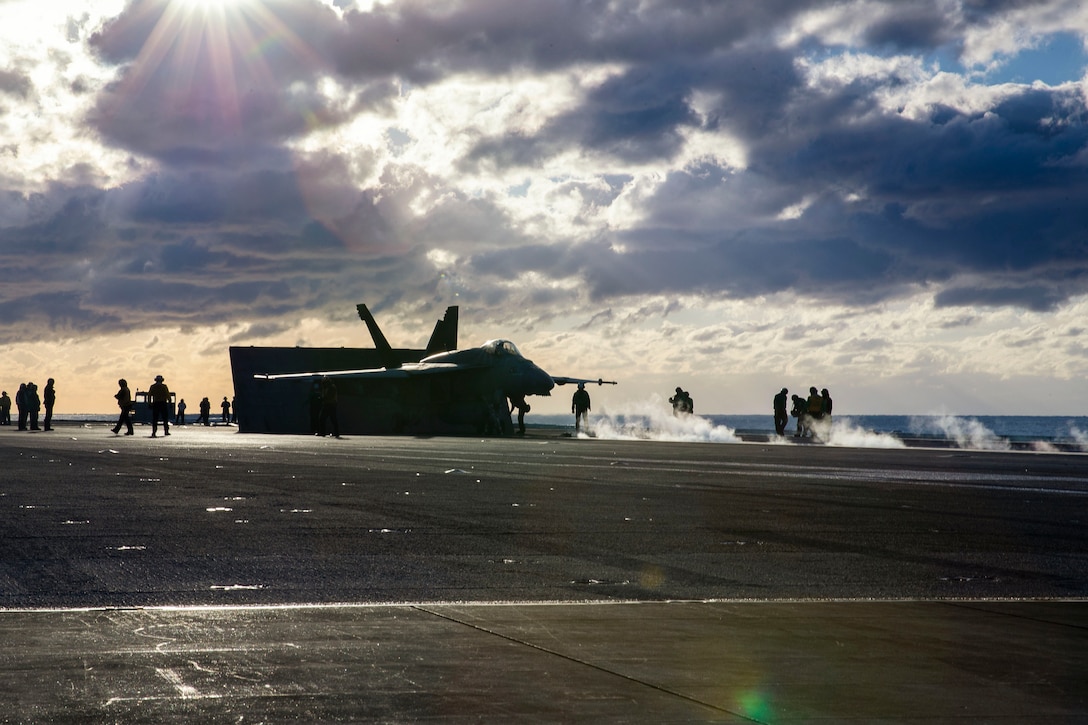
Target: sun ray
(202,56)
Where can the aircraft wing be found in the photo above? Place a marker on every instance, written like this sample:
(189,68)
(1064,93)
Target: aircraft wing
(407,370)
(598,381)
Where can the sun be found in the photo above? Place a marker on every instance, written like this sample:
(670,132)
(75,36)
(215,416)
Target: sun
(208,3)
(209,6)
(209,69)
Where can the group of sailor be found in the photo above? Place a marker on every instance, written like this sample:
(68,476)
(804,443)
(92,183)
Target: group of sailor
(29,403)
(813,414)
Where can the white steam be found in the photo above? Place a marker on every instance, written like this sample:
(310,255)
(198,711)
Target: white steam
(968,433)
(848,435)
(653,420)
(1079,436)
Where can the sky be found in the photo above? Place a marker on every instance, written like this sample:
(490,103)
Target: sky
(887,199)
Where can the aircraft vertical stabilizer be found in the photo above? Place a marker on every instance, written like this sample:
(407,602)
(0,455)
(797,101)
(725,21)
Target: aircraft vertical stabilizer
(388,357)
(444,337)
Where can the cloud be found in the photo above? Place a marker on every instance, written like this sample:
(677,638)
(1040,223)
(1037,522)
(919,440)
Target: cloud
(14,84)
(618,167)
(190,91)
(1038,299)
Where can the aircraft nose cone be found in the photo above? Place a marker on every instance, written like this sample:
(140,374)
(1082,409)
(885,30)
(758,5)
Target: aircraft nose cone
(542,381)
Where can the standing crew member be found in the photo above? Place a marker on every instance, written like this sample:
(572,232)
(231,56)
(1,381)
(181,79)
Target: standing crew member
(579,405)
(160,406)
(328,407)
(5,409)
(815,410)
(33,404)
(50,401)
(781,417)
(20,403)
(825,414)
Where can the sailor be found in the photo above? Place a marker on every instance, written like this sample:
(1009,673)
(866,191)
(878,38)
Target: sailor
(799,412)
(20,404)
(124,402)
(579,405)
(824,426)
(682,403)
(50,401)
(33,404)
(160,406)
(328,407)
(518,401)
(781,417)
(814,409)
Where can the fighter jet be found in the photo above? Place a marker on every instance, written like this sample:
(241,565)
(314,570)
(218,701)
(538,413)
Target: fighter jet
(447,389)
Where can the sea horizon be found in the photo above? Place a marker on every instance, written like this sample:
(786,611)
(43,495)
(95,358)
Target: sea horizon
(988,432)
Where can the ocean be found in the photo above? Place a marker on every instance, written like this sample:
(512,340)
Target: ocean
(988,432)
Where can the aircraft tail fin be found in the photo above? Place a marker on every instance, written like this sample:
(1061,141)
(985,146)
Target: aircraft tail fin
(444,337)
(388,358)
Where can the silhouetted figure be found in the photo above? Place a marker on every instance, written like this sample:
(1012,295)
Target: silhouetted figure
(579,405)
(179,416)
(20,405)
(205,411)
(315,406)
(494,412)
(823,424)
(124,402)
(798,412)
(815,410)
(225,405)
(50,399)
(328,408)
(33,404)
(234,409)
(160,406)
(5,408)
(781,417)
(682,404)
(522,408)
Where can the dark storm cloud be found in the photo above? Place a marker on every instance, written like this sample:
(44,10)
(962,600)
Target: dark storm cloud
(203,197)
(67,222)
(983,12)
(910,26)
(46,315)
(423,41)
(1037,298)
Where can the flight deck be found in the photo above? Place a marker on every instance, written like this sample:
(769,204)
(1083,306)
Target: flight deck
(223,576)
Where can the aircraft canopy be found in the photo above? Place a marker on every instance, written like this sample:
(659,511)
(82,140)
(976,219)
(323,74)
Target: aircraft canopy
(501,347)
